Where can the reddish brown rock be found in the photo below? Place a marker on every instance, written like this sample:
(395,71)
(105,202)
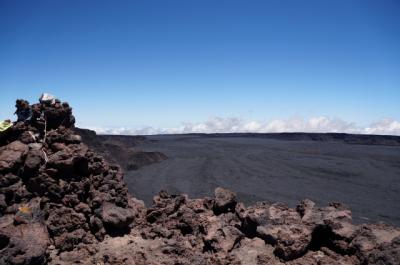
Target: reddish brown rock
(66,180)
(33,161)
(61,203)
(225,200)
(12,155)
(23,244)
(115,217)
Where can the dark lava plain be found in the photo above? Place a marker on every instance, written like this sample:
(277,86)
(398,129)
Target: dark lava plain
(365,177)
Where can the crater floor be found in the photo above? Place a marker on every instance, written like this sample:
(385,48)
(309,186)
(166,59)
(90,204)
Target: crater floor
(365,177)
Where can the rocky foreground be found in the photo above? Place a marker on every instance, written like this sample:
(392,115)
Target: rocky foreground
(62,203)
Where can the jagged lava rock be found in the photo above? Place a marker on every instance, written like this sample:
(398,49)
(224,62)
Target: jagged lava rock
(62,203)
(225,200)
(46,171)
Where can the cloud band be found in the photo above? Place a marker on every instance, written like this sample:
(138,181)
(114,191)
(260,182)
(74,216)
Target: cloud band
(237,125)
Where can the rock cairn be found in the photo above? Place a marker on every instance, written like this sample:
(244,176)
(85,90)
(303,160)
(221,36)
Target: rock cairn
(55,193)
(61,203)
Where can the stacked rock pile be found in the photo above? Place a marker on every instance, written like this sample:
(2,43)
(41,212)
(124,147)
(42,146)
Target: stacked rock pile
(54,191)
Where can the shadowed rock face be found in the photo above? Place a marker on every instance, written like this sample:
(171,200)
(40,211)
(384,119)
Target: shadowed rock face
(120,149)
(61,203)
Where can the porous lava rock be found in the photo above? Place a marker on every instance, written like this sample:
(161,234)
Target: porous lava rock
(62,203)
(56,194)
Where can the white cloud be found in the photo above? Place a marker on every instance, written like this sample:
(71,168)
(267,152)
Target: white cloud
(385,126)
(235,125)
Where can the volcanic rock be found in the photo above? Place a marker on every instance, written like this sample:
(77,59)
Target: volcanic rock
(23,243)
(12,155)
(62,203)
(51,187)
(116,217)
(225,200)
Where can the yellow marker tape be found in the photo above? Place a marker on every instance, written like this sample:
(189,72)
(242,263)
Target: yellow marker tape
(24,209)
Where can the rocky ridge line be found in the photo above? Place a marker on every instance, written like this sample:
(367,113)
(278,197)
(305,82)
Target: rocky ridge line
(120,149)
(61,203)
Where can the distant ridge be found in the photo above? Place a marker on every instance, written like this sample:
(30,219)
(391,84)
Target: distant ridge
(363,139)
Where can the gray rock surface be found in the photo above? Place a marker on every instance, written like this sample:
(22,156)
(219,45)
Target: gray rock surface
(257,167)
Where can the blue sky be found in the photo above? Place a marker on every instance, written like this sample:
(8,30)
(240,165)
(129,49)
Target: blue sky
(160,63)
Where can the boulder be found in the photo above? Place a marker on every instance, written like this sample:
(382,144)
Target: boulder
(23,244)
(386,253)
(33,161)
(115,217)
(12,155)
(254,252)
(225,201)
(64,219)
